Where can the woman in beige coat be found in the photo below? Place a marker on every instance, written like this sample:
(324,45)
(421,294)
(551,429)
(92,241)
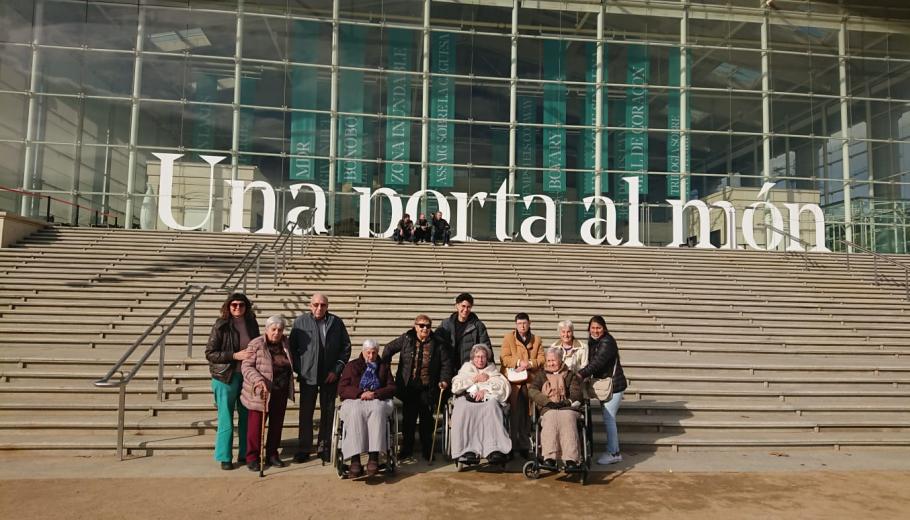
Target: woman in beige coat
(574,352)
(521,352)
(268,377)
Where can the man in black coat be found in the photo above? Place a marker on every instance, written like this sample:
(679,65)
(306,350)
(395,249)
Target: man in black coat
(441,229)
(320,347)
(463,329)
(424,370)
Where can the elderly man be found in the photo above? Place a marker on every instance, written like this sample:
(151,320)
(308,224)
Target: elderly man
(424,369)
(320,347)
(463,329)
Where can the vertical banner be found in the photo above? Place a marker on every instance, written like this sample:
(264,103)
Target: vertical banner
(554,113)
(586,184)
(499,156)
(398,104)
(304,38)
(526,154)
(637,76)
(203,136)
(247,118)
(673,123)
(350,99)
(442,106)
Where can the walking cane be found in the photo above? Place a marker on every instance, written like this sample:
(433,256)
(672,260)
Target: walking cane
(265,407)
(435,427)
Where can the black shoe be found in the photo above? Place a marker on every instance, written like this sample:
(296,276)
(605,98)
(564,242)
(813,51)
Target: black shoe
(402,455)
(571,465)
(253,465)
(276,461)
(301,457)
(551,463)
(497,457)
(227,466)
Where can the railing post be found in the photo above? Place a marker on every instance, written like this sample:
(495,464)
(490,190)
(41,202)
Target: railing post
(161,366)
(48,215)
(257,271)
(875,267)
(121,413)
(189,335)
(275,267)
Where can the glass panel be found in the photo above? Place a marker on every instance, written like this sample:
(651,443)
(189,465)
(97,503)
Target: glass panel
(15,64)
(58,119)
(195,126)
(480,17)
(64,23)
(196,79)
(192,32)
(111,26)
(16,18)
(14,108)
(800,114)
(804,73)
(726,69)
(11,174)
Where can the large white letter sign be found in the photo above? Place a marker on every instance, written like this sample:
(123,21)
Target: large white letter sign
(441,203)
(634,236)
(777,220)
(704,223)
(549,221)
(729,222)
(238,190)
(502,205)
(795,211)
(319,213)
(166,189)
(461,212)
(366,198)
(588,225)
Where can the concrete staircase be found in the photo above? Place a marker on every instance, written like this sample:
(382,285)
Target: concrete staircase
(723,349)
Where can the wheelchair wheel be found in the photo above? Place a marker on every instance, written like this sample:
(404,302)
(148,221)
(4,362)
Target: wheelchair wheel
(531,470)
(337,460)
(583,476)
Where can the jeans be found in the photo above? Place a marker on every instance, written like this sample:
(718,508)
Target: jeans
(227,399)
(609,410)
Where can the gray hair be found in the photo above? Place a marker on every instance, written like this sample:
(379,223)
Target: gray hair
(370,344)
(565,325)
(276,320)
(485,349)
(319,295)
(556,351)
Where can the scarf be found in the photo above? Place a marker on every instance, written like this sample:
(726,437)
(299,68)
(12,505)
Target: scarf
(370,380)
(555,385)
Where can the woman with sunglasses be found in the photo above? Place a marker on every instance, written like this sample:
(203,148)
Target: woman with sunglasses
(226,348)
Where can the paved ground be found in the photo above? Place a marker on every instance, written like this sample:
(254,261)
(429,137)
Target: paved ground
(799,484)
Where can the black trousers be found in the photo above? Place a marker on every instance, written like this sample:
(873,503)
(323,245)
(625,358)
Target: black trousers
(441,236)
(327,395)
(417,403)
(421,235)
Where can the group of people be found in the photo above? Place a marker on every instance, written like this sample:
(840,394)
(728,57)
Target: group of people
(435,230)
(254,376)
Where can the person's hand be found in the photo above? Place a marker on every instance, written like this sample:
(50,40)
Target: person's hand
(443,385)
(330,378)
(522,366)
(479,395)
(261,389)
(368,396)
(481,377)
(241,355)
(552,405)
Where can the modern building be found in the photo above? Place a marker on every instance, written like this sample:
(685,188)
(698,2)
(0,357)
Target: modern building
(566,98)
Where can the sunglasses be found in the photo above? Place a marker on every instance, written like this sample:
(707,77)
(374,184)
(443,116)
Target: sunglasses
(237,305)
(423,325)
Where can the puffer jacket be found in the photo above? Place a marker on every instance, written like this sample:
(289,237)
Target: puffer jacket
(224,341)
(258,367)
(603,354)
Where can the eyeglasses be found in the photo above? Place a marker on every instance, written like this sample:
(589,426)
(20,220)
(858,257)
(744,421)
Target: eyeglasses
(319,305)
(238,305)
(423,325)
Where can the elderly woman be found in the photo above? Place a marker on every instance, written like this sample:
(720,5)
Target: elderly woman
(477,425)
(268,383)
(366,390)
(604,362)
(225,349)
(558,393)
(574,352)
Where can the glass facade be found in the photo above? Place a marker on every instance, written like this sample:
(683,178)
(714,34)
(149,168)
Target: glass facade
(694,98)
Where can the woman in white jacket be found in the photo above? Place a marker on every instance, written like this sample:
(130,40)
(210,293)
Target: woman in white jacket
(477,428)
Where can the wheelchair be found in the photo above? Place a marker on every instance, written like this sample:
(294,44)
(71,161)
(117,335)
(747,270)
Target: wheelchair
(461,465)
(388,461)
(533,467)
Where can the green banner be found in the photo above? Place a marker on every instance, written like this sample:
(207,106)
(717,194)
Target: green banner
(442,106)
(304,39)
(350,99)
(525,153)
(203,136)
(673,123)
(499,156)
(636,145)
(554,113)
(398,104)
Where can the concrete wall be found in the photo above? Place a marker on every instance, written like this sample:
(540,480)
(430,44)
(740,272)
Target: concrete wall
(14,228)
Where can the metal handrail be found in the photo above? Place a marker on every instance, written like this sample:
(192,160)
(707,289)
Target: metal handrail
(875,257)
(249,259)
(798,240)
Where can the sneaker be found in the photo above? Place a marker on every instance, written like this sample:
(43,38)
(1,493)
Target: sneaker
(609,458)
(227,466)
